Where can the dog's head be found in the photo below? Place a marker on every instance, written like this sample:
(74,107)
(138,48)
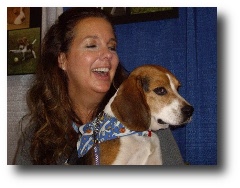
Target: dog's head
(149,98)
(15,15)
(22,42)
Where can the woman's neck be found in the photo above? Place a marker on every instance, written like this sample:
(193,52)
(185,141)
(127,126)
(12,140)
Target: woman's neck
(85,105)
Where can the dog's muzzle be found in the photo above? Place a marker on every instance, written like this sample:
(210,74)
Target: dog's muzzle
(186,114)
(161,121)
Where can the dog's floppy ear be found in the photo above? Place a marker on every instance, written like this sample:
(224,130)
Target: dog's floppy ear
(130,106)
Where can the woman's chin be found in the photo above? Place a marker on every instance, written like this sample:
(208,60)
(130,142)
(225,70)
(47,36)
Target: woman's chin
(103,88)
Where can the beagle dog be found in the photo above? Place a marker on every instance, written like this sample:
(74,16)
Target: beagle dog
(15,15)
(24,46)
(145,102)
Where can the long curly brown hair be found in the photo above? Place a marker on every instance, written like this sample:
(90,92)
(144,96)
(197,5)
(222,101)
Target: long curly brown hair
(50,107)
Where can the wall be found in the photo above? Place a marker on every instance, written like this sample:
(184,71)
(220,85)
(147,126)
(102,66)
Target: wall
(17,87)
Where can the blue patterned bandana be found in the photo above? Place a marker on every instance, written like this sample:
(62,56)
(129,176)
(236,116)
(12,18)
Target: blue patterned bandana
(109,128)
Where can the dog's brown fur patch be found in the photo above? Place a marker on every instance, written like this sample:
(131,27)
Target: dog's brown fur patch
(109,151)
(130,106)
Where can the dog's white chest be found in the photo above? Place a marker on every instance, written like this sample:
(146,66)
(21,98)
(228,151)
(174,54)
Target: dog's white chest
(139,150)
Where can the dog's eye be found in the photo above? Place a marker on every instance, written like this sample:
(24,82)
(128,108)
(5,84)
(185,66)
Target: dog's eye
(160,91)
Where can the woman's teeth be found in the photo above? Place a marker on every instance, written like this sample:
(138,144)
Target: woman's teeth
(101,70)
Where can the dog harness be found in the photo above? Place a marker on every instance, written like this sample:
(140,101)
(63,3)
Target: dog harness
(102,128)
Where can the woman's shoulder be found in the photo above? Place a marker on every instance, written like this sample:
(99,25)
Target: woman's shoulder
(22,155)
(170,151)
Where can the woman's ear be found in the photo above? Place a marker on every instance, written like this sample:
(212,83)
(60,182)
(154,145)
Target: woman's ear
(62,61)
(130,106)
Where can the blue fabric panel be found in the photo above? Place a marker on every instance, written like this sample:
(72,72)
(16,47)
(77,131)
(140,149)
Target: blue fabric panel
(201,137)
(187,47)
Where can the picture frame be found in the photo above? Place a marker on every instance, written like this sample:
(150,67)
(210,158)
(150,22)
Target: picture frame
(124,15)
(23,40)
(23,49)
(31,17)
(18,18)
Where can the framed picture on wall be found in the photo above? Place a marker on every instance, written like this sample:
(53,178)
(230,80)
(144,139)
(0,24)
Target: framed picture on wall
(23,39)
(18,17)
(23,50)
(122,15)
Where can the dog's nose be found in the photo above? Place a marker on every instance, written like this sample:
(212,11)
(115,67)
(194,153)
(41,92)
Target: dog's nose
(187,110)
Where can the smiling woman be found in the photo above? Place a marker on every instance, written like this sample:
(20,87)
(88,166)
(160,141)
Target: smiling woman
(91,53)
(78,73)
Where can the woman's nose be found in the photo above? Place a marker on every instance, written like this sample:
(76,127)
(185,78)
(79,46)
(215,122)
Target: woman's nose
(106,53)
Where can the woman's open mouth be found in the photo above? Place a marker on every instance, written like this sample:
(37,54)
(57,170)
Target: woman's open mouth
(101,71)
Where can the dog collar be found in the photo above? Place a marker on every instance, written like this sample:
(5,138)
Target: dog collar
(109,128)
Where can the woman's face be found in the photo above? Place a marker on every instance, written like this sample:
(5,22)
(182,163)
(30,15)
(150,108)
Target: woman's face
(92,60)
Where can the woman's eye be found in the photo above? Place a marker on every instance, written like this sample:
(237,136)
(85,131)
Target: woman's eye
(91,46)
(112,48)
(160,91)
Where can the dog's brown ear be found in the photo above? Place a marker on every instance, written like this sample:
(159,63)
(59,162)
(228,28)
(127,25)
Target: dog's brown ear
(130,106)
